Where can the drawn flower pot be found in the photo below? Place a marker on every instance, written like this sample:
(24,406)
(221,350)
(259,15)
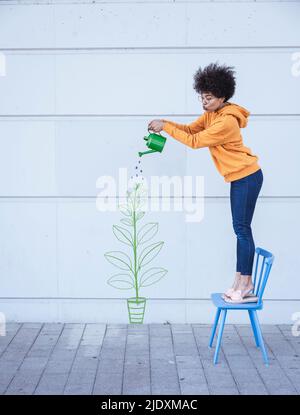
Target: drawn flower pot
(136,309)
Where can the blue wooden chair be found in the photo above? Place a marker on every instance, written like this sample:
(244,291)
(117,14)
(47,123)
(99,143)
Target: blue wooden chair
(223,306)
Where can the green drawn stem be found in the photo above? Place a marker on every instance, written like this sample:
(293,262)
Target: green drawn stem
(135,247)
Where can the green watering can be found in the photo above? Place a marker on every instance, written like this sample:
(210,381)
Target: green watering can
(154,141)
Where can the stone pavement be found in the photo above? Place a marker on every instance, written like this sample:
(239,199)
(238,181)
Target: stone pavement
(134,359)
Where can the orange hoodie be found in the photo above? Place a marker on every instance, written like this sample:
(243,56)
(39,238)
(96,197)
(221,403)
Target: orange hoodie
(220,132)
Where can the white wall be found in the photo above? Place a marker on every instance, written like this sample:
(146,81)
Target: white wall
(82,81)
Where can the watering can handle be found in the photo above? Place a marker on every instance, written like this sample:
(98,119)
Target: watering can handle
(153,131)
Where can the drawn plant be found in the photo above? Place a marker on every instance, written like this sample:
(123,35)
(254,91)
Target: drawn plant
(134,275)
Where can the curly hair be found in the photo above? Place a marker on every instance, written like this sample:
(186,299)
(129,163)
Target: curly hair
(216,79)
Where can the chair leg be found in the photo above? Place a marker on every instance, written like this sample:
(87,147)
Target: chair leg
(253,327)
(260,338)
(222,324)
(214,327)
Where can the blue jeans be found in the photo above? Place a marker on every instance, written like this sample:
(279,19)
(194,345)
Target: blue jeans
(243,196)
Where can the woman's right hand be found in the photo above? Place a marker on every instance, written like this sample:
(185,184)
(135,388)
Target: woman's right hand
(156,125)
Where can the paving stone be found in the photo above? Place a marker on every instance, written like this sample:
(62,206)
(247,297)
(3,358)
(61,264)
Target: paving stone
(5,379)
(11,331)
(84,367)
(80,382)
(191,375)
(219,377)
(111,365)
(23,383)
(185,344)
(181,328)
(108,383)
(51,384)
(159,329)
(274,376)
(165,382)
(136,381)
(60,362)
(15,353)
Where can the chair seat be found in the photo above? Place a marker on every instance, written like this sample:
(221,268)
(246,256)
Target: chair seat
(220,303)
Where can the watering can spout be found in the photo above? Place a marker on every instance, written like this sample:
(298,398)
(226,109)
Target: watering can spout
(147,152)
(155,142)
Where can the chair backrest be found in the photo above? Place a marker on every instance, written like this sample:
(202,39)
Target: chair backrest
(259,282)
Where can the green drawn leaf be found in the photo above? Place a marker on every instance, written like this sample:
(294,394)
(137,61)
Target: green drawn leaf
(151,276)
(149,253)
(139,215)
(121,281)
(125,210)
(123,235)
(147,232)
(119,259)
(127,221)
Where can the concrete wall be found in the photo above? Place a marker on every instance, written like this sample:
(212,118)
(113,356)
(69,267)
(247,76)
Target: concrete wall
(82,80)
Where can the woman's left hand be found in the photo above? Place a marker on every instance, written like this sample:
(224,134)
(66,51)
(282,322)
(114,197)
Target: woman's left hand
(156,125)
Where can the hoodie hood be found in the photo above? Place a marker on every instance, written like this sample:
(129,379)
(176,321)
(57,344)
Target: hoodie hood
(240,113)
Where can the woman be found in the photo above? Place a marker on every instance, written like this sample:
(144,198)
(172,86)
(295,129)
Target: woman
(219,130)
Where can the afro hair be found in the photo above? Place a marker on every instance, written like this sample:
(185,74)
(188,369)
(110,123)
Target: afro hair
(217,79)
